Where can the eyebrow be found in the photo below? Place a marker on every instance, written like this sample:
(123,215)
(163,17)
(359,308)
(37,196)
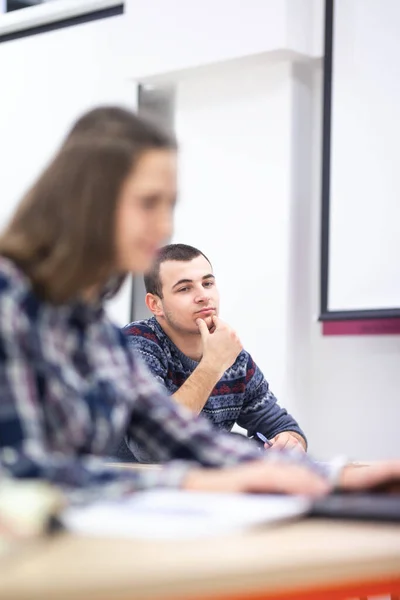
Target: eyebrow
(208,276)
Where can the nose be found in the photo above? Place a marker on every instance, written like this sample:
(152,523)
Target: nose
(164,225)
(202,296)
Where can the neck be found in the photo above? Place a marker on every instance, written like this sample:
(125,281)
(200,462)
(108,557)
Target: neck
(189,344)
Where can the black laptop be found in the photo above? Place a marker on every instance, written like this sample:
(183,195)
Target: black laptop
(358,506)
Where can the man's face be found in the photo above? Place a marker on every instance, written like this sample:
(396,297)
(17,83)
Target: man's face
(189,293)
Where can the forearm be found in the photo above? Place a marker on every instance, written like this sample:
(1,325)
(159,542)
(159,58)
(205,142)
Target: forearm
(263,414)
(86,477)
(167,431)
(269,419)
(196,390)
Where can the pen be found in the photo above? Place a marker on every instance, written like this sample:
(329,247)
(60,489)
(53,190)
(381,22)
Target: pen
(263,438)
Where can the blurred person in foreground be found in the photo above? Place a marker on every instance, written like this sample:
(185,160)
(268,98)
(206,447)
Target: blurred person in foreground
(70,385)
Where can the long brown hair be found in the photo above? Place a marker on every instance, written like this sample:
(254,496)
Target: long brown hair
(62,234)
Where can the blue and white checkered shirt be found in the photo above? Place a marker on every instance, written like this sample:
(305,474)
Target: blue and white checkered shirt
(70,387)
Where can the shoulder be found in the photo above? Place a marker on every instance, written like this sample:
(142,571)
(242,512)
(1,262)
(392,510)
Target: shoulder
(243,361)
(146,342)
(142,331)
(16,294)
(147,338)
(12,278)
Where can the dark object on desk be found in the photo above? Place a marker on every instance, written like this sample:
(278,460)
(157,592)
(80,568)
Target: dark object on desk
(123,454)
(365,507)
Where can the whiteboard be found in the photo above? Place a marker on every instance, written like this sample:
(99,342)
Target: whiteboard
(361,220)
(45,12)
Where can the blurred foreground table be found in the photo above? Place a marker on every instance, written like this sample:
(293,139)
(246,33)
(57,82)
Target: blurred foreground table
(310,559)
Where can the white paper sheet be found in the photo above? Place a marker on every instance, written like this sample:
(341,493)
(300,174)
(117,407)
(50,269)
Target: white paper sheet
(177,514)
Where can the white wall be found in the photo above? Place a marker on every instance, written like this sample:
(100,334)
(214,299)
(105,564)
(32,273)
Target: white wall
(234,127)
(353,405)
(46,82)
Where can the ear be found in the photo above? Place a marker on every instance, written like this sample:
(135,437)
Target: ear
(154,305)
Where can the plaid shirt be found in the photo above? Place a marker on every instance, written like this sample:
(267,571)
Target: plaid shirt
(71,387)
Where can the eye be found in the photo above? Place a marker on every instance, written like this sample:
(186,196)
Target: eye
(208,284)
(150,202)
(184,289)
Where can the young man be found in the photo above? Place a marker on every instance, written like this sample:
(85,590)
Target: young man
(198,358)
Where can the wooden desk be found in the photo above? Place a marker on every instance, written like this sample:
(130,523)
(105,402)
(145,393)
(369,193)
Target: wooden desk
(308,560)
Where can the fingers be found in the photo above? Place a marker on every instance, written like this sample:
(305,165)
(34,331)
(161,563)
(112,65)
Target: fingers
(298,480)
(286,478)
(356,477)
(259,477)
(202,328)
(220,324)
(287,441)
(216,320)
(294,444)
(278,442)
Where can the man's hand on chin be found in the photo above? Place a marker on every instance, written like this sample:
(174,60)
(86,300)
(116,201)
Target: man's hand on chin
(221,345)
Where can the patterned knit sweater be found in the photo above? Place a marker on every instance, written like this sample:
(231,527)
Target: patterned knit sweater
(241,396)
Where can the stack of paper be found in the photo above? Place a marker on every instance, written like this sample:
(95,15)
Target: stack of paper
(177,514)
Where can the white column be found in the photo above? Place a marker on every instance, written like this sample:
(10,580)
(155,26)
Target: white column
(234,127)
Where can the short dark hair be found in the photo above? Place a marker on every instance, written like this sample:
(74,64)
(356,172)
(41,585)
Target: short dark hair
(178,252)
(62,233)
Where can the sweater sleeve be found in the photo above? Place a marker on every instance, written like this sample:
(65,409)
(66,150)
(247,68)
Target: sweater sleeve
(261,412)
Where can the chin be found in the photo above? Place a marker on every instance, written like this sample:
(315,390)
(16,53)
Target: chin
(141,265)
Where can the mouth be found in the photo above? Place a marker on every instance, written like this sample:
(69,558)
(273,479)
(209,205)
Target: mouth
(205,311)
(152,250)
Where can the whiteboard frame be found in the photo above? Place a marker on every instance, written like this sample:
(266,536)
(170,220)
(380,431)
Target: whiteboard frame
(55,15)
(328,80)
